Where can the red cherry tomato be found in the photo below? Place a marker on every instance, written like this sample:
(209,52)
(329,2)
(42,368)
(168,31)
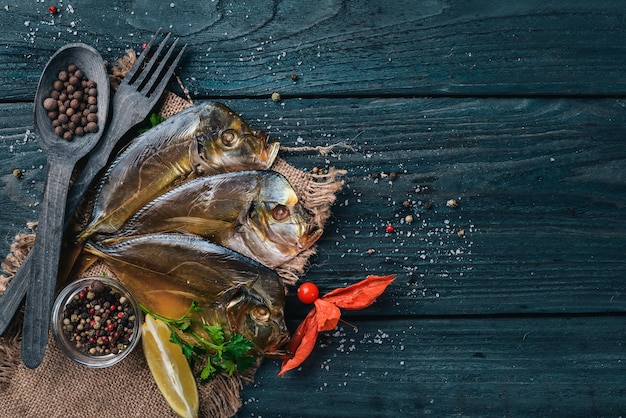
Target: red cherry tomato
(53,10)
(389,229)
(308,292)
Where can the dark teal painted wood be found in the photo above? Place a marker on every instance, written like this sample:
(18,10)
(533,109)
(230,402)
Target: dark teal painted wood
(372,47)
(481,367)
(514,109)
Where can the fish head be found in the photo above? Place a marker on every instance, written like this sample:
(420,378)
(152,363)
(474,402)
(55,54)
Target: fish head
(277,224)
(227,143)
(260,319)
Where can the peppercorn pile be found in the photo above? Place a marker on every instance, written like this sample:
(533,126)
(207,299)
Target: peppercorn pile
(73,104)
(99,320)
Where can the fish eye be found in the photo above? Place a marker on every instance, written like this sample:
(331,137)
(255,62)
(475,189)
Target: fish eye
(261,313)
(280,212)
(229,138)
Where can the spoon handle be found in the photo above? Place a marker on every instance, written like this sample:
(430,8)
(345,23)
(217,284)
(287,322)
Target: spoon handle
(45,264)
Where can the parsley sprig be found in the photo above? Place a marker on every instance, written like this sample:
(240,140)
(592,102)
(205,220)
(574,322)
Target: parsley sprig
(216,354)
(153,120)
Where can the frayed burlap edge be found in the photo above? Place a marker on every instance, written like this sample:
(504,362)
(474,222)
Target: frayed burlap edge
(121,67)
(10,357)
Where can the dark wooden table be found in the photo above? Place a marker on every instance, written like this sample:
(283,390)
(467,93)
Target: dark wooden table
(513,302)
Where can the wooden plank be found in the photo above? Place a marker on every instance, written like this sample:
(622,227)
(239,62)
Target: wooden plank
(480,367)
(354,48)
(539,185)
(19,197)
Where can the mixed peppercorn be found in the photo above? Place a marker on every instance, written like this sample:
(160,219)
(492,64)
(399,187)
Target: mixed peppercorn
(98,320)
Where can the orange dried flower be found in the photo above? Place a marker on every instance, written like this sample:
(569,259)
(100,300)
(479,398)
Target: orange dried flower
(326,314)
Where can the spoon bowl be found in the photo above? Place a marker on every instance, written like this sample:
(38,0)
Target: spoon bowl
(91,64)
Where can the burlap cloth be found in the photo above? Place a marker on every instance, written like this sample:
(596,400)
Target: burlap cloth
(59,387)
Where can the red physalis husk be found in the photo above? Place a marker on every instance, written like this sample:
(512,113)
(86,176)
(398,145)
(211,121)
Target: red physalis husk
(359,295)
(325,315)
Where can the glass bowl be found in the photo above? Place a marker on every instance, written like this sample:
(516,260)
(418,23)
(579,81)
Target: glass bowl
(96,321)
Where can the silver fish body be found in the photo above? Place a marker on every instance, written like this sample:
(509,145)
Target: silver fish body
(166,272)
(255,213)
(202,140)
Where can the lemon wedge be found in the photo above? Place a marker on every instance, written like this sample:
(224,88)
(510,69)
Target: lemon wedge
(169,367)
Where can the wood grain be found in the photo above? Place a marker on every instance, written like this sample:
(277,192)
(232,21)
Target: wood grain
(372,47)
(479,367)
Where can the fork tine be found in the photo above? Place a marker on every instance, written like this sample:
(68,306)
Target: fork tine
(160,75)
(139,62)
(147,70)
(168,74)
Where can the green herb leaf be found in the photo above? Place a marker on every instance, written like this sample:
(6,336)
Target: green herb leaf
(182,324)
(215,333)
(194,307)
(238,345)
(218,355)
(153,120)
(175,338)
(228,366)
(207,371)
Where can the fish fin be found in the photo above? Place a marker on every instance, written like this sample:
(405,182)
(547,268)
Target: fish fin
(93,249)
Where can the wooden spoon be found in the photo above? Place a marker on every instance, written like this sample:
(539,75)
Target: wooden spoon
(62,156)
